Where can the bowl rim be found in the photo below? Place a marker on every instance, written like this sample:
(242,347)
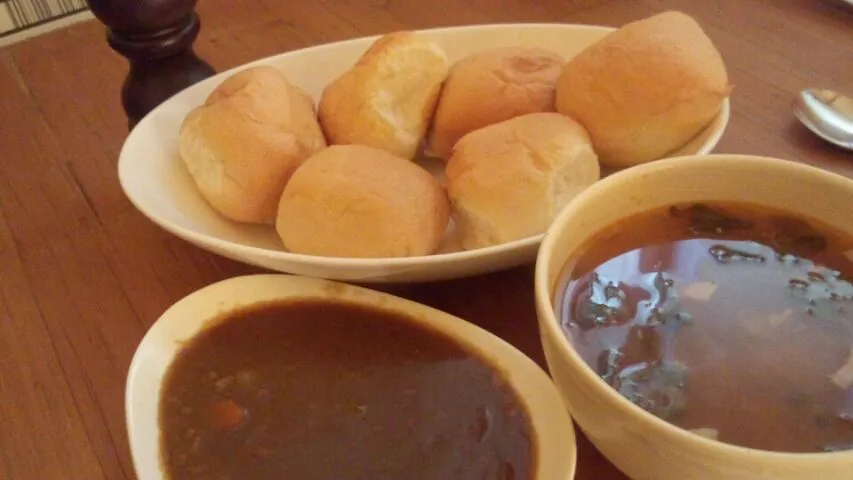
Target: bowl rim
(413,262)
(618,403)
(530,383)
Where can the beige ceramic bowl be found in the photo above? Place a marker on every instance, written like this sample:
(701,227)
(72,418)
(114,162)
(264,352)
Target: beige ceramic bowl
(552,427)
(639,444)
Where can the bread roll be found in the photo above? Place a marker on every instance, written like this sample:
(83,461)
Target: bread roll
(492,86)
(362,202)
(388,98)
(243,144)
(507,181)
(646,89)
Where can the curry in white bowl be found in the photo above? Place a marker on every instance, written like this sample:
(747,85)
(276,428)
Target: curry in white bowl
(276,376)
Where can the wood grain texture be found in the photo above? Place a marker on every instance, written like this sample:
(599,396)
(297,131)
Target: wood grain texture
(83,275)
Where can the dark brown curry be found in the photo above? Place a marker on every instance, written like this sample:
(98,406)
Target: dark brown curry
(320,390)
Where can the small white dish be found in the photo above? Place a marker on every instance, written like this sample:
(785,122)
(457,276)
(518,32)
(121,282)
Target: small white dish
(157,183)
(555,454)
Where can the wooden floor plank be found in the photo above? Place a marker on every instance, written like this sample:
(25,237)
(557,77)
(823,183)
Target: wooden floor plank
(614,13)
(313,21)
(436,13)
(544,11)
(133,255)
(49,217)
(92,335)
(43,434)
(89,127)
(7,241)
(235,46)
(276,27)
(46,200)
(153,268)
(367,16)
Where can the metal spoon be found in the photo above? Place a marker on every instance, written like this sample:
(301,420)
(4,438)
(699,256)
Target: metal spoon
(826,113)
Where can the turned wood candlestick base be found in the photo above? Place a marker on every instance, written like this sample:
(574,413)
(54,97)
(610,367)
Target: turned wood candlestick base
(156,37)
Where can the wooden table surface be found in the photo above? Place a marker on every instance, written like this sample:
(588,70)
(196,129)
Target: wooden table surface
(83,275)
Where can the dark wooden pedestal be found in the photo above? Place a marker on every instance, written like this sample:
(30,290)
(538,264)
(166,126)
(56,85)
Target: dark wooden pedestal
(156,37)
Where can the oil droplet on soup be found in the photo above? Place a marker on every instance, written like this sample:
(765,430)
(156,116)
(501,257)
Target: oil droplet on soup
(729,320)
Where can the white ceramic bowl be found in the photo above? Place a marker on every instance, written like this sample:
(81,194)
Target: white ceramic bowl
(157,183)
(552,427)
(638,443)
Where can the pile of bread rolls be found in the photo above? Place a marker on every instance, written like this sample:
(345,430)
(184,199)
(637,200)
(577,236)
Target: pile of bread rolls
(520,131)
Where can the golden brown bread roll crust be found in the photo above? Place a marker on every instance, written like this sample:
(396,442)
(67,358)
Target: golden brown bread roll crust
(387,99)
(245,142)
(508,181)
(490,87)
(646,89)
(361,202)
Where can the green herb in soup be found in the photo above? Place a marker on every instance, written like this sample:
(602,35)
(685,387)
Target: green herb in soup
(733,321)
(320,390)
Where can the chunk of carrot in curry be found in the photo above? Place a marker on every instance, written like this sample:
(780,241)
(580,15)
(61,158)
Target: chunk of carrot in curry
(226,415)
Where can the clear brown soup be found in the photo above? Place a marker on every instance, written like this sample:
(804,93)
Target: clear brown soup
(727,319)
(320,390)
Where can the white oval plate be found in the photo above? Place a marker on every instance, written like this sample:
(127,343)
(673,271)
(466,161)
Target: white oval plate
(157,183)
(553,431)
